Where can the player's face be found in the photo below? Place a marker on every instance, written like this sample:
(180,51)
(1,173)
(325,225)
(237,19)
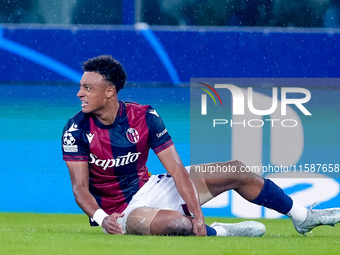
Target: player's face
(94,92)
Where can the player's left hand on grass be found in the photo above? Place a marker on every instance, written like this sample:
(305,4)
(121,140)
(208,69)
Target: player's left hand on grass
(198,227)
(111,226)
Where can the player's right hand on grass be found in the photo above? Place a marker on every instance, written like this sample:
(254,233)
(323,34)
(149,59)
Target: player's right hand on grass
(199,228)
(111,226)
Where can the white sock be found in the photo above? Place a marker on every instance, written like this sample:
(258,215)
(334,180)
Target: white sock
(298,213)
(220,231)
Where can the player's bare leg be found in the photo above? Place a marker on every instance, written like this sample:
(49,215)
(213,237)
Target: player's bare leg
(168,222)
(260,191)
(172,223)
(151,221)
(247,184)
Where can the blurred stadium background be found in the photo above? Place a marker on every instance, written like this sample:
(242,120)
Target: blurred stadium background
(162,44)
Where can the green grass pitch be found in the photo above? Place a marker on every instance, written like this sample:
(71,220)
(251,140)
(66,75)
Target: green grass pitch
(22,233)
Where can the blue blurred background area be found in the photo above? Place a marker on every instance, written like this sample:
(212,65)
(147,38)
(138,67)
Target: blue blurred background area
(162,45)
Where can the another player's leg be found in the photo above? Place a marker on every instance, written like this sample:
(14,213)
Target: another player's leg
(264,192)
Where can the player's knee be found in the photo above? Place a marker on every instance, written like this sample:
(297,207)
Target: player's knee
(242,170)
(242,175)
(171,223)
(140,219)
(238,165)
(180,226)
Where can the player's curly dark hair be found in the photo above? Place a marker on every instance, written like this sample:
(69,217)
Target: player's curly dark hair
(108,67)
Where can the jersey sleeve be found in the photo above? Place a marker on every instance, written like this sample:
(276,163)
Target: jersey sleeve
(74,146)
(159,138)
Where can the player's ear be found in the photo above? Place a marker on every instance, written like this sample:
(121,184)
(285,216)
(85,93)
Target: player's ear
(111,91)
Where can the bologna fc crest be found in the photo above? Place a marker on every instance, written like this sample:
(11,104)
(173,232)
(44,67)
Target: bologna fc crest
(132,135)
